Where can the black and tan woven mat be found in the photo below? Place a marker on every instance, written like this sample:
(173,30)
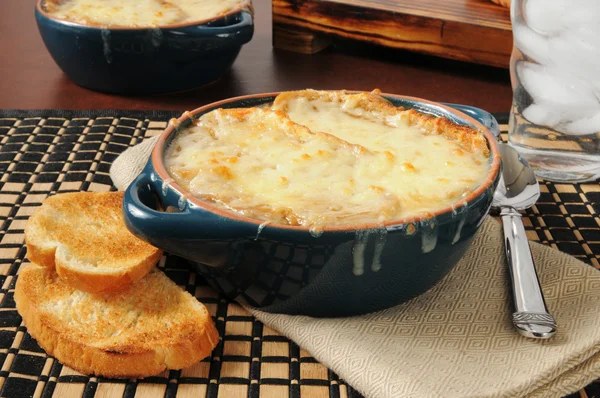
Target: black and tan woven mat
(45,152)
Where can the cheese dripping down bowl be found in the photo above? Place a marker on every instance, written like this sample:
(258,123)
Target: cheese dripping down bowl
(326,270)
(133,59)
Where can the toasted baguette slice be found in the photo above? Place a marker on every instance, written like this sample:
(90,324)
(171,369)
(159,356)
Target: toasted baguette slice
(84,237)
(153,326)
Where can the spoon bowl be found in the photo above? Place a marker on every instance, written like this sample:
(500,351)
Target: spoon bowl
(518,187)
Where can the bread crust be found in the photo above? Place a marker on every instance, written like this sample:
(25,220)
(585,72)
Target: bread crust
(83,236)
(141,353)
(372,102)
(467,137)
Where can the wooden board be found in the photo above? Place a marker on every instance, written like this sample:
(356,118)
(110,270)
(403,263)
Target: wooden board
(470,30)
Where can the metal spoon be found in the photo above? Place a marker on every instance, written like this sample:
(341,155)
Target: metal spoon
(518,189)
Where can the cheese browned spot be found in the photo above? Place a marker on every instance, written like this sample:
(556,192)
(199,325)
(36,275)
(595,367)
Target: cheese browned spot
(138,13)
(359,160)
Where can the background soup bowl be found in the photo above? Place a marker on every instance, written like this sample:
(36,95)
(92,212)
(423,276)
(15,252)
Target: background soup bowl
(337,272)
(163,59)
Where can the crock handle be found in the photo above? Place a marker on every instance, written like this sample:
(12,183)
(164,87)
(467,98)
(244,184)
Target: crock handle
(241,31)
(171,231)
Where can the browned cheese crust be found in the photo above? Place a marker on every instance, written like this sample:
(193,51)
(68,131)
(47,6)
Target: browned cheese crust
(53,6)
(279,120)
(371,102)
(269,120)
(470,139)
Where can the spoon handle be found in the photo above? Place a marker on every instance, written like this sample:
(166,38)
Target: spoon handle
(531,317)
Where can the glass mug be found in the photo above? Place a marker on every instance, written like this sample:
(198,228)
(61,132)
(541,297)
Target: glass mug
(555,75)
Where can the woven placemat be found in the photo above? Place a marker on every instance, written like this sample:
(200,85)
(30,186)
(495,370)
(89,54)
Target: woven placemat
(45,152)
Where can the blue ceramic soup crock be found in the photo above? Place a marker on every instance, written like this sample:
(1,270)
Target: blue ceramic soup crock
(340,271)
(169,58)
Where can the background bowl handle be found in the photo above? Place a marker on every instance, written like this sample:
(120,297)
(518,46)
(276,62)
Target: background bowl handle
(171,230)
(241,30)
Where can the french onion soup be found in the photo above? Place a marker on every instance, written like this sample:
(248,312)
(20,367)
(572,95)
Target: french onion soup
(138,13)
(318,158)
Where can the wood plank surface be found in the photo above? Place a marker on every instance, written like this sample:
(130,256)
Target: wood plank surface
(472,12)
(476,31)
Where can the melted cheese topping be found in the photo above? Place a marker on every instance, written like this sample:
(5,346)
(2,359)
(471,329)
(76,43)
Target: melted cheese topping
(333,164)
(427,171)
(266,167)
(138,13)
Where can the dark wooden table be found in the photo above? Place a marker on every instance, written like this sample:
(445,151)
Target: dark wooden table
(29,78)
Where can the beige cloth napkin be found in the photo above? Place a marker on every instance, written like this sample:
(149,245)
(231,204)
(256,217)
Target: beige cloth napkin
(456,340)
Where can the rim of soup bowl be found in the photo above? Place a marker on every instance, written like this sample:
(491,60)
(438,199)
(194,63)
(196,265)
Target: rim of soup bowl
(159,167)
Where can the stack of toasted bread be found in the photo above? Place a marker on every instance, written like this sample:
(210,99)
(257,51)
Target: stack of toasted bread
(94,299)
